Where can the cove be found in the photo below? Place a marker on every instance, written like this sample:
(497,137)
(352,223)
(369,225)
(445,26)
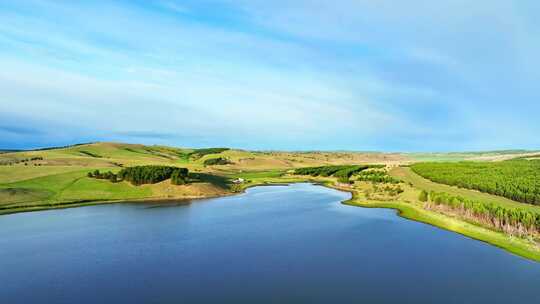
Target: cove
(273,244)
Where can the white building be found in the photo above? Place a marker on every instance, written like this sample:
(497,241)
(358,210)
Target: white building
(238,180)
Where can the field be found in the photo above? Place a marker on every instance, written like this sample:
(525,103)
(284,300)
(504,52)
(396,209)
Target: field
(471,156)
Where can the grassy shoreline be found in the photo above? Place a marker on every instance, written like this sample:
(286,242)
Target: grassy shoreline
(75,204)
(517,246)
(511,244)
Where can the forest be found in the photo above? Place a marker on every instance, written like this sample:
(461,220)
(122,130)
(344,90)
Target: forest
(343,173)
(216,161)
(518,180)
(514,221)
(150,174)
(376,176)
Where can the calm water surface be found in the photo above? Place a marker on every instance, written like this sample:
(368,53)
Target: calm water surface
(279,244)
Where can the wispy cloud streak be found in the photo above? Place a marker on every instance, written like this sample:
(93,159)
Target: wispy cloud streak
(367,75)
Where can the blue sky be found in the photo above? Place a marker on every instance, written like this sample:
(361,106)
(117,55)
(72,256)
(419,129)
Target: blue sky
(297,75)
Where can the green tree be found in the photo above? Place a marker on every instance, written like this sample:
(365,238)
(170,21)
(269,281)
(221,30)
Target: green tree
(113,178)
(423,197)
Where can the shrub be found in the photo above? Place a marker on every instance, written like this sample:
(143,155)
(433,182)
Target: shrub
(377,177)
(216,161)
(423,197)
(113,178)
(107,175)
(179,176)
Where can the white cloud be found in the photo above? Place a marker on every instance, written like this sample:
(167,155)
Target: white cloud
(308,69)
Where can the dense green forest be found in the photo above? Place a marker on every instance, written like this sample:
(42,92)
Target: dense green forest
(511,220)
(179,176)
(151,174)
(326,170)
(139,175)
(216,161)
(376,176)
(343,173)
(198,153)
(518,180)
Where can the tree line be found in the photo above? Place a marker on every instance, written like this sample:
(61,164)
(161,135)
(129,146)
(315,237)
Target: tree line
(62,147)
(515,221)
(343,172)
(518,180)
(216,161)
(104,175)
(376,176)
(198,153)
(149,174)
(91,154)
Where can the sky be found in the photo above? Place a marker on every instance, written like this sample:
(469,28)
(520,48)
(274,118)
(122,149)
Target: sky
(448,75)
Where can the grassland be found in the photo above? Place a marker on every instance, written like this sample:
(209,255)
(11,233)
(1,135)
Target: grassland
(470,156)
(57,178)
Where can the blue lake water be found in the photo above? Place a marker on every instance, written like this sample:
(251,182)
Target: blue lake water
(276,244)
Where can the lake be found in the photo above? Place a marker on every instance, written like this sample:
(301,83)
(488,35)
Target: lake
(275,244)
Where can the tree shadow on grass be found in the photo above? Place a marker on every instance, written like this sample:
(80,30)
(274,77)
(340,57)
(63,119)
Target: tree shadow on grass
(216,180)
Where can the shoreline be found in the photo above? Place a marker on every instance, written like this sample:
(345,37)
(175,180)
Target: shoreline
(514,245)
(75,204)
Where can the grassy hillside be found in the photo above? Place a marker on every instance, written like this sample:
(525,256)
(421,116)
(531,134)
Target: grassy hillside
(58,176)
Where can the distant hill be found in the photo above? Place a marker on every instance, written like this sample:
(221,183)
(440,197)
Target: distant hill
(9,151)
(107,154)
